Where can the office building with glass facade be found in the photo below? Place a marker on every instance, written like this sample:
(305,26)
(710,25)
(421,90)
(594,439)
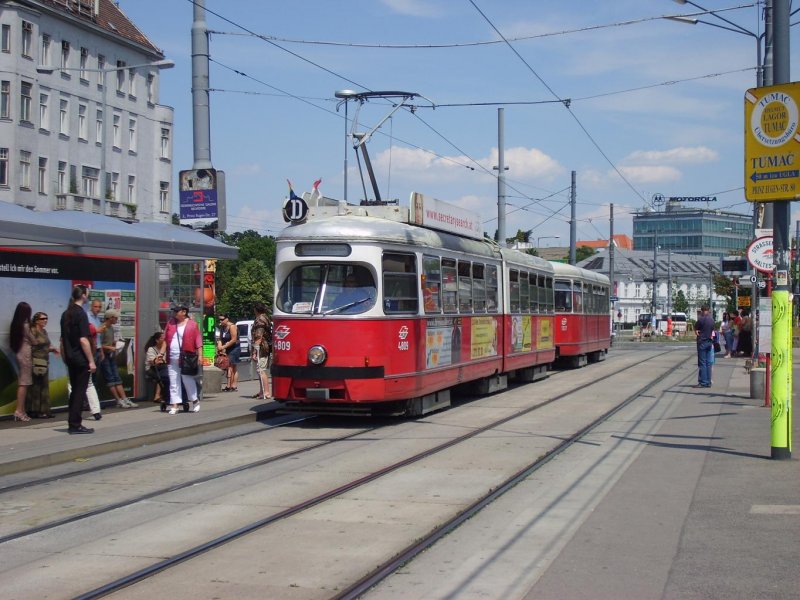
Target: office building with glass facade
(692,231)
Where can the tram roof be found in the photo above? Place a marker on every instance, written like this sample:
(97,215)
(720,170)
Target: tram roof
(565,270)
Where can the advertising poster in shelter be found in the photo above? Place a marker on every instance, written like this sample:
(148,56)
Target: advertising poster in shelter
(45,280)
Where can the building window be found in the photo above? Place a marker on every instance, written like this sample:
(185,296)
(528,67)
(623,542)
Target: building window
(90,177)
(25,170)
(45,50)
(4,167)
(132,189)
(151,88)
(121,76)
(84,59)
(64,56)
(164,142)
(62,177)
(5,100)
(101,65)
(132,82)
(27,39)
(83,126)
(25,102)
(44,112)
(5,38)
(117,134)
(132,135)
(42,175)
(63,116)
(98,127)
(164,196)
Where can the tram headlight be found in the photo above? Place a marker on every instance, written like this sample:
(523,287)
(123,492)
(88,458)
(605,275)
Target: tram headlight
(317,355)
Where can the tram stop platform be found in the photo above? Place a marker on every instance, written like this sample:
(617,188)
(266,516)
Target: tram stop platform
(702,512)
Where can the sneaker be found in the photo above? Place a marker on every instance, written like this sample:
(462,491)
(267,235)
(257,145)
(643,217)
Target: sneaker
(122,404)
(130,403)
(196,406)
(173,409)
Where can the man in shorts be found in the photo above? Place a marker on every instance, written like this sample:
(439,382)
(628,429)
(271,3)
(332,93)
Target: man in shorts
(261,348)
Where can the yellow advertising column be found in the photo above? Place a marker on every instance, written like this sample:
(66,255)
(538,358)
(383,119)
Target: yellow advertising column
(772,174)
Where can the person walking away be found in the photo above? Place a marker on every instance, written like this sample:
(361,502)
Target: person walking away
(746,334)
(229,343)
(261,348)
(76,352)
(21,343)
(704,329)
(39,392)
(108,364)
(182,334)
(726,329)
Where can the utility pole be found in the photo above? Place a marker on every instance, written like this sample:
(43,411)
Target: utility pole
(613,288)
(201,113)
(501,179)
(781,363)
(573,223)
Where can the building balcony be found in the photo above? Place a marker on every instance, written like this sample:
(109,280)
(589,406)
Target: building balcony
(113,208)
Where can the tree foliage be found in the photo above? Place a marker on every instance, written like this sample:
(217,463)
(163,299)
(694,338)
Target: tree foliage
(583,252)
(251,277)
(679,302)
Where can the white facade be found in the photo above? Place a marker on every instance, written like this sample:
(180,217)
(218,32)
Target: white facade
(61,131)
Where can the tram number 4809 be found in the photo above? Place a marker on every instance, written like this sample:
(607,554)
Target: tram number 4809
(403,345)
(283,345)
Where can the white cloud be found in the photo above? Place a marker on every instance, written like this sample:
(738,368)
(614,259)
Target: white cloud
(646,174)
(526,163)
(674,156)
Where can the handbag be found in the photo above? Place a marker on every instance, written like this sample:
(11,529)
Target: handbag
(188,363)
(40,366)
(222,362)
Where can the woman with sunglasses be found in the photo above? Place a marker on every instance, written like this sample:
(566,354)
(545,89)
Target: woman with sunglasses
(229,343)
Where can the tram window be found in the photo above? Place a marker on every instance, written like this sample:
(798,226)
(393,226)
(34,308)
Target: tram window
(431,284)
(349,290)
(549,295)
(536,293)
(577,297)
(491,288)
(464,286)
(563,295)
(400,283)
(513,290)
(298,293)
(478,288)
(524,293)
(449,285)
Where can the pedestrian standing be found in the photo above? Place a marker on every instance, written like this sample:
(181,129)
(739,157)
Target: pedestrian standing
(261,349)
(108,364)
(726,328)
(182,335)
(21,342)
(39,392)
(704,329)
(229,344)
(76,351)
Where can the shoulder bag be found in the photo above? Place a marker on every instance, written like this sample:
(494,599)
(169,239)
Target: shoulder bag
(187,361)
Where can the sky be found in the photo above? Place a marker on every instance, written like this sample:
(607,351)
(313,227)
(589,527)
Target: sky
(634,103)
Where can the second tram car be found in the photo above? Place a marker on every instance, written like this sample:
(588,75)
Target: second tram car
(377,315)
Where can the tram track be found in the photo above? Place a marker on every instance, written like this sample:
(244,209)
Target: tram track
(193,552)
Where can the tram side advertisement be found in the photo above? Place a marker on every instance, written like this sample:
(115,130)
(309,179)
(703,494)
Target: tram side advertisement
(45,280)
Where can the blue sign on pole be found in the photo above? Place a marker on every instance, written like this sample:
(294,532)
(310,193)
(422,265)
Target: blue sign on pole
(198,194)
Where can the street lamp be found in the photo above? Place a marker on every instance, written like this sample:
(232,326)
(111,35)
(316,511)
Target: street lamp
(47,70)
(545,237)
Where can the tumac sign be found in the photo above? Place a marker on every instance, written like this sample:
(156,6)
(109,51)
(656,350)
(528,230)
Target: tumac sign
(760,254)
(772,143)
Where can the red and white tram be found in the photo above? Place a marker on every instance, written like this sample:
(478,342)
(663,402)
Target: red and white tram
(582,326)
(376,315)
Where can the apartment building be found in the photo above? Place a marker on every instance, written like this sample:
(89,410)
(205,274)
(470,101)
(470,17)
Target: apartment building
(81,127)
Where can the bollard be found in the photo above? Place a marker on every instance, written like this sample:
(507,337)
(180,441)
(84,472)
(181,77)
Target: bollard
(758,377)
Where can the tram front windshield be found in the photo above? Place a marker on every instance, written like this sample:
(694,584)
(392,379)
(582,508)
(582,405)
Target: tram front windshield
(328,289)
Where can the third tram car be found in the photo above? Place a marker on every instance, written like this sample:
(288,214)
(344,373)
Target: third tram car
(376,313)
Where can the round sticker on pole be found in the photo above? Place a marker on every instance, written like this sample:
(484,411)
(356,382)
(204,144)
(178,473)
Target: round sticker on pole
(760,254)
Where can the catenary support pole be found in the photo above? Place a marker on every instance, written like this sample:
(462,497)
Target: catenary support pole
(573,223)
(501,179)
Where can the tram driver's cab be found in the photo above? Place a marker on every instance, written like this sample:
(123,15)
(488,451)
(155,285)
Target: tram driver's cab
(328,289)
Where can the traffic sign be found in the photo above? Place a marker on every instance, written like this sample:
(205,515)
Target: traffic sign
(772,143)
(614,298)
(760,255)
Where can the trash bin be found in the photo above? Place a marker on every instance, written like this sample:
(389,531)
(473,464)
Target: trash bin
(758,382)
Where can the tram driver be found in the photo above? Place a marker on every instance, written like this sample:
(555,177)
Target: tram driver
(355,297)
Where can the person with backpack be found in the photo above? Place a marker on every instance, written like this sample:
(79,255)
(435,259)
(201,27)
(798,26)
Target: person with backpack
(261,349)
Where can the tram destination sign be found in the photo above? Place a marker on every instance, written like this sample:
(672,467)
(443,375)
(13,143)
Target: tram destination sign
(772,143)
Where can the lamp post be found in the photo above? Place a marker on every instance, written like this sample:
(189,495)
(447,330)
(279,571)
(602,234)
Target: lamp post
(546,237)
(47,70)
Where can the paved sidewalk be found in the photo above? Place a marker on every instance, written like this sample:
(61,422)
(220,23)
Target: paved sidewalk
(45,442)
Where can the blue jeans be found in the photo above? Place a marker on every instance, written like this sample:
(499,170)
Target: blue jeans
(703,375)
(109,368)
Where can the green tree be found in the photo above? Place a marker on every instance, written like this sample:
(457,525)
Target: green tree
(252,281)
(679,302)
(583,252)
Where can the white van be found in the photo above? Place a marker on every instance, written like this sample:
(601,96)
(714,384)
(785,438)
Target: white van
(244,329)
